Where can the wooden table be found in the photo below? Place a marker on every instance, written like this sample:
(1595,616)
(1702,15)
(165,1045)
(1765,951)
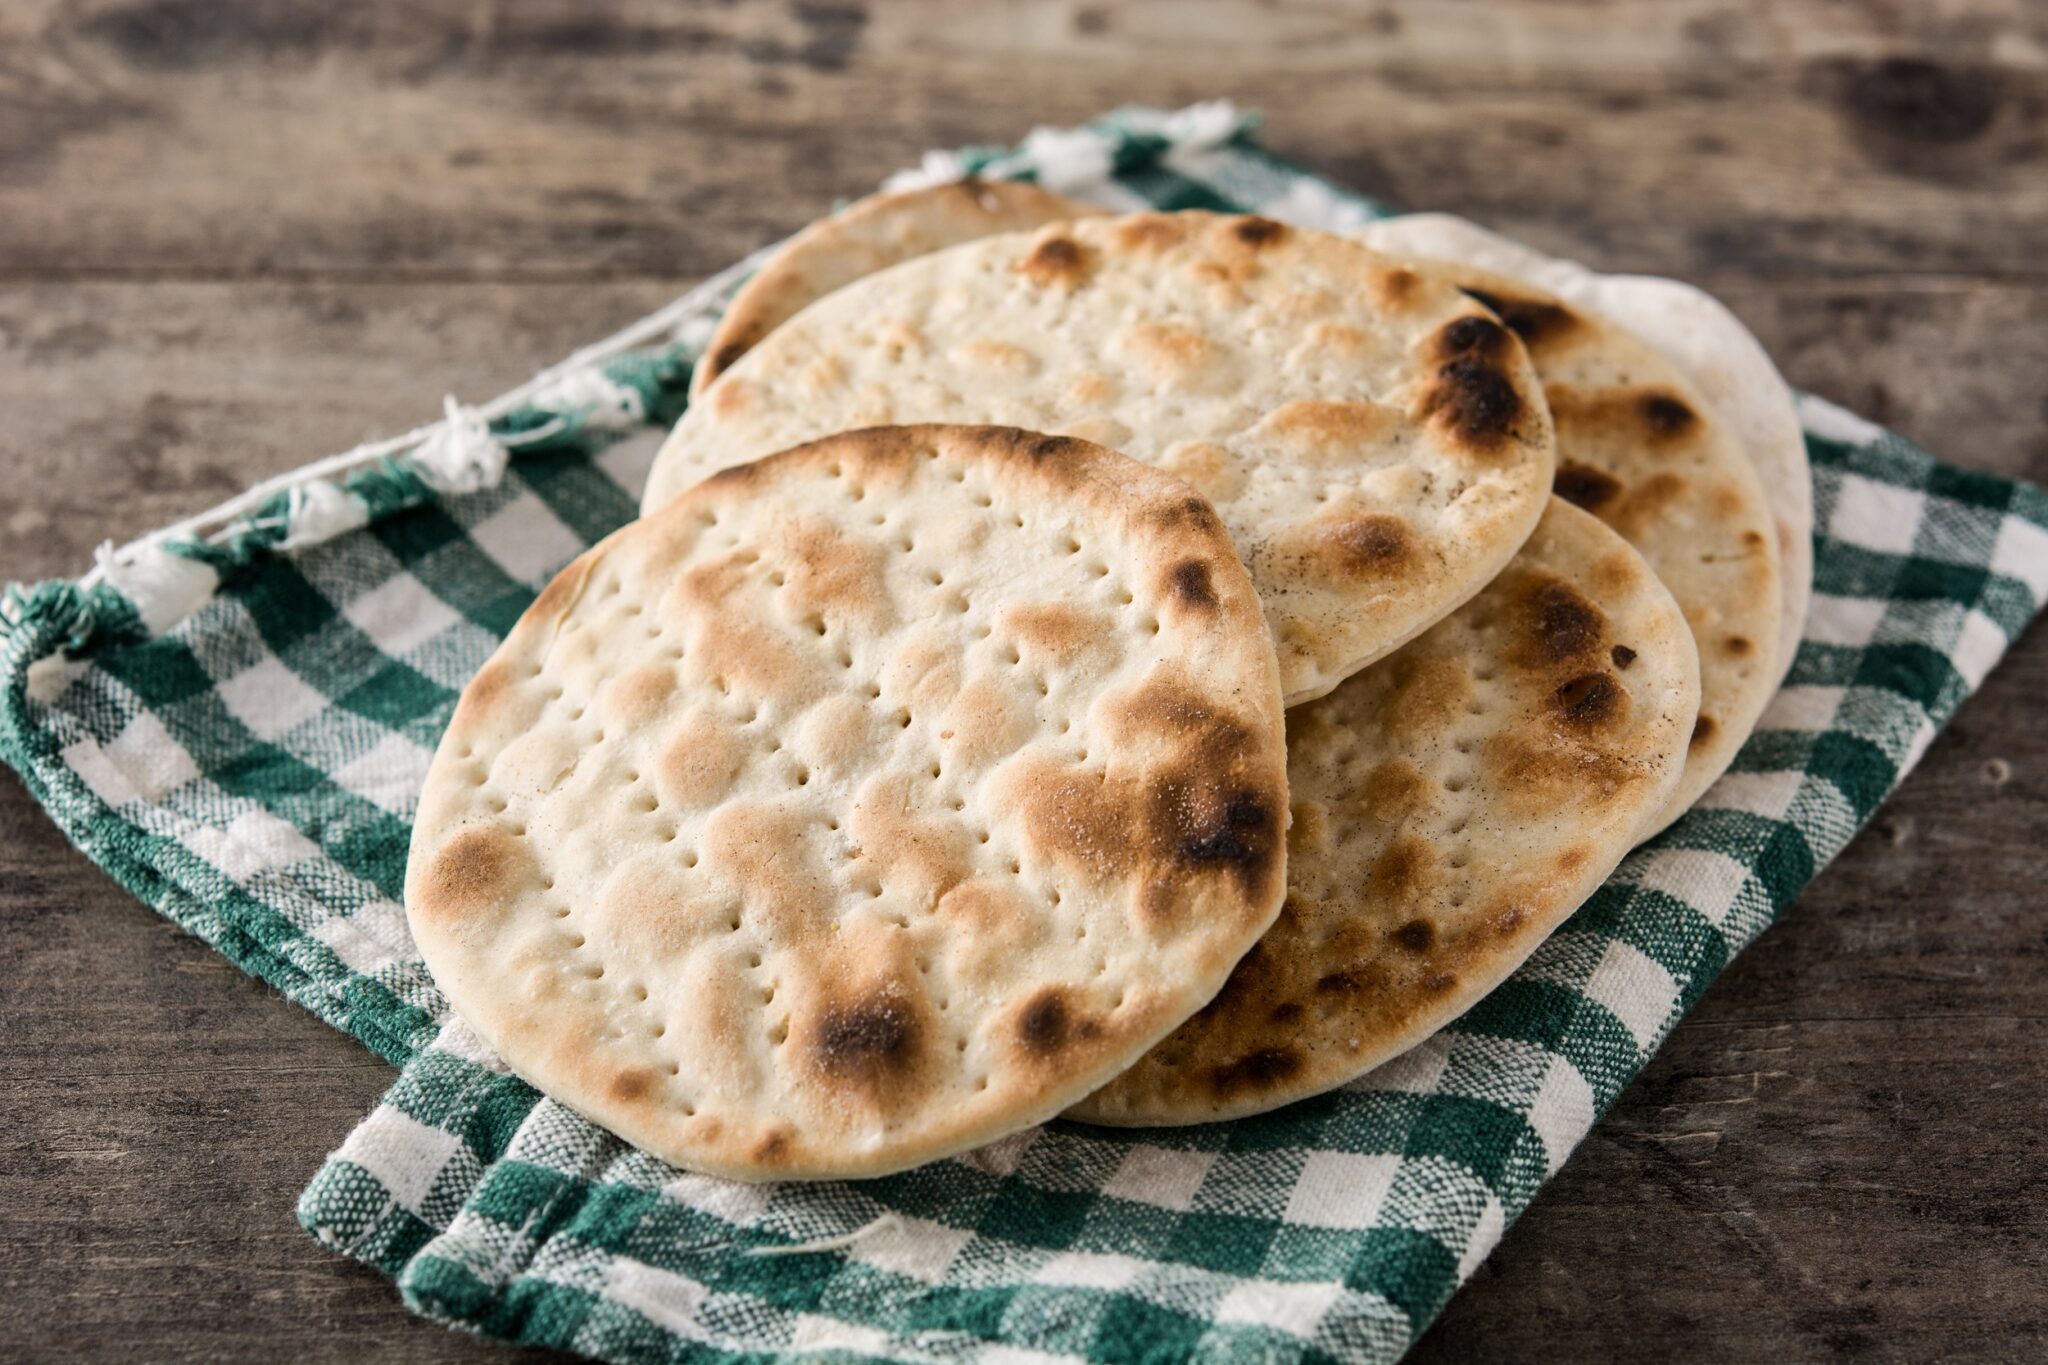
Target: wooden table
(235,236)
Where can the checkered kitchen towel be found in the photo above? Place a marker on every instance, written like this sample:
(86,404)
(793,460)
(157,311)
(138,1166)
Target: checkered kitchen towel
(240,723)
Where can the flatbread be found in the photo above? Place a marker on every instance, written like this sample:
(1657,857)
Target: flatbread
(1375,442)
(1452,805)
(1642,449)
(868,235)
(866,804)
(1694,331)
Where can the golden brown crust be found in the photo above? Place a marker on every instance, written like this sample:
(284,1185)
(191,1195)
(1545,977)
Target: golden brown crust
(870,801)
(1375,441)
(870,235)
(1452,804)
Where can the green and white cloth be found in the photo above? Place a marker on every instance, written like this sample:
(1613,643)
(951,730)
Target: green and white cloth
(236,725)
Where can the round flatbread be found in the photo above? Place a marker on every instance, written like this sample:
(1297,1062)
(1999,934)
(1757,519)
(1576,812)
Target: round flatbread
(1643,450)
(1694,331)
(869,802)
(868,235)
(1452,805)
(1375,441)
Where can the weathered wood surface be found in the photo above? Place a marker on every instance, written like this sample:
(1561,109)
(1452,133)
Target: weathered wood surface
(236,235)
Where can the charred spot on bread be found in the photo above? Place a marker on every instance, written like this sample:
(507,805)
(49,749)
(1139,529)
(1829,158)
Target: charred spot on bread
(1416,936)
(1535,321)
(1191,583)
(1257,1070)
(1589,699)
(866,1038)
(1471,335)
(1666,414)
(1584,486)
(1258,232)
(1473,402)
(1558,622)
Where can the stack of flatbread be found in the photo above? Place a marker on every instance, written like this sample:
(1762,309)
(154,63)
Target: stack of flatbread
(1152,668)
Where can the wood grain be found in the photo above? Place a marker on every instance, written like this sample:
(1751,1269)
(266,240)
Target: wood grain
(558,139)
(238,235)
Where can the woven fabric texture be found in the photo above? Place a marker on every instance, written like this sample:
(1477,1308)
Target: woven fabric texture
(251,768)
